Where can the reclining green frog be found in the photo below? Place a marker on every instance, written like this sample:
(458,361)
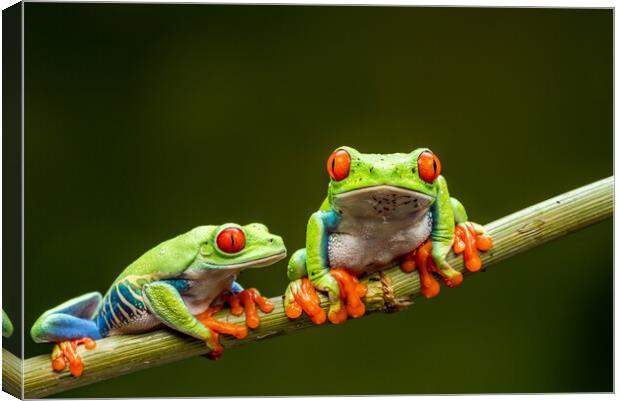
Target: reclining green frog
(381,209)
(179,283)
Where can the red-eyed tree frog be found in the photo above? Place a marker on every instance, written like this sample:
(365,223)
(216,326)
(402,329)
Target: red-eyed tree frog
(380,210)
(179,283)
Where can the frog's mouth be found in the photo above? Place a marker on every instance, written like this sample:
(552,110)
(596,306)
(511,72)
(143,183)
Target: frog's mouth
(383,201)
(261,262)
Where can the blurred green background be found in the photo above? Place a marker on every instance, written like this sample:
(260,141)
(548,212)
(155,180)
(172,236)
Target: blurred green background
(143,121)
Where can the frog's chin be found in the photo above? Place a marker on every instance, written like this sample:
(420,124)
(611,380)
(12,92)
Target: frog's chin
(382,201)
(260,262)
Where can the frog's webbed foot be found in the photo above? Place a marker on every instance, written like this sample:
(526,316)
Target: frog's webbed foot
(421,259)
(67,351)
(351,294)
(469,238)
(247,300)
(301,297)
(217,327)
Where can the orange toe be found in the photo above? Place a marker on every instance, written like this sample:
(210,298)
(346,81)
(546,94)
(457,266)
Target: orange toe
(338,317)
(59,363)
(76,368)
(307,300)
(423,260)
(484,242)
(216,347)
(293,310)
(207,319)
(407,265)
(454,281)
(431,289)
(69,353)
(351,292)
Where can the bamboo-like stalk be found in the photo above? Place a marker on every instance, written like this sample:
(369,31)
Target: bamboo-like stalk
(387,291)
(11,374)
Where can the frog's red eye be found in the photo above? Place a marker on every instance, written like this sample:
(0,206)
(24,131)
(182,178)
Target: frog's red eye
(338,165)
(231,240)
(429,166)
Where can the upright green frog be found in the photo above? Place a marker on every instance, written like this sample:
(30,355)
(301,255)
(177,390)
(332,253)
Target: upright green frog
(381,209)
(179,283)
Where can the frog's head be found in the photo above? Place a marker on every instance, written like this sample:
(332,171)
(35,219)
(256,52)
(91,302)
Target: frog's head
(389,186)
(231,246)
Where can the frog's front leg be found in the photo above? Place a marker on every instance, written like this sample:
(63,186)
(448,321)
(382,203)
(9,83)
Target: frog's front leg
(466,237)
(442,234)
(164,301)
(344,291)
(245,300)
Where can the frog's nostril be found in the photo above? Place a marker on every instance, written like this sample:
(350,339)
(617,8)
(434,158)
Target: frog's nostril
(271,240)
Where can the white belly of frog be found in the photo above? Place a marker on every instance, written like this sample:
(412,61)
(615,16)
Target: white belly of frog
(144,322)
(205,286)
(372,245)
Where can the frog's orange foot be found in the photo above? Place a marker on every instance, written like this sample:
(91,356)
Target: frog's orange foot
(67,351)
(422,260)
(302,297)
(351,294)
(469,238)
(215,346)
(217,327)
(246,301)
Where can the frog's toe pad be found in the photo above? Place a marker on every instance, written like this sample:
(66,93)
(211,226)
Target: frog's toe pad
(454,281)
(215,346)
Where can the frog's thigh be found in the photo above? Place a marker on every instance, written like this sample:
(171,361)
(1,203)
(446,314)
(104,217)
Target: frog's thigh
(60,326)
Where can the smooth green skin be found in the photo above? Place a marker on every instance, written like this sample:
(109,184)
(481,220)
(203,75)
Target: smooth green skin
(367,170)
(7,326)
(194,251)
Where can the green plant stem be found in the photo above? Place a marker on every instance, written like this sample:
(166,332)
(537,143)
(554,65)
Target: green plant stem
(390,290)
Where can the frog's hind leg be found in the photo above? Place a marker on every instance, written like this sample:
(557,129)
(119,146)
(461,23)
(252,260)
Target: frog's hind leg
(69,325)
